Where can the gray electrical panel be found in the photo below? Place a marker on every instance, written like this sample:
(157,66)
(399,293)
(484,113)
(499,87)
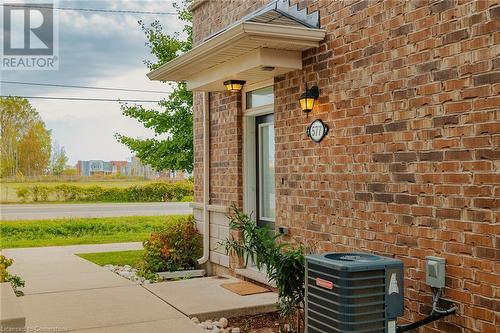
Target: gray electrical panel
(353,292)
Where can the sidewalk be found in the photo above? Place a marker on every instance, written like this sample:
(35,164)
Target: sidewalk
(67,292)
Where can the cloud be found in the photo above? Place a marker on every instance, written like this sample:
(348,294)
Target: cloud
(96,45)
(96,49)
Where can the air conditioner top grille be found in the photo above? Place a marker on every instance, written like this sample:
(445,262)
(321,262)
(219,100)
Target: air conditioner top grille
(353,262)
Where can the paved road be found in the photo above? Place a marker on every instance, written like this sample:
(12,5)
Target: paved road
(48,211)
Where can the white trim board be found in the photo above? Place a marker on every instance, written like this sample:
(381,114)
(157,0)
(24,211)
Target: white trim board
(248,51)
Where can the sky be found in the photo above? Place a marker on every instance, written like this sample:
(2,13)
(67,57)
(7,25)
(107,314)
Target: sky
(102,50)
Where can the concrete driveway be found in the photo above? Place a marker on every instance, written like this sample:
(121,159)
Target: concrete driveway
(49,211)
(66,292)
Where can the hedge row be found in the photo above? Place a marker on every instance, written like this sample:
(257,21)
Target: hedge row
(155,192)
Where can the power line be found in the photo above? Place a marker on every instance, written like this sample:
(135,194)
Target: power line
(80,87)
(87,99)
(115,11)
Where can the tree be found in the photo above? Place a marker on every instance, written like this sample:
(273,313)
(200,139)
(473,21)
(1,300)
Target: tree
(175,121)
(34,151)
(25,142)
(58,159)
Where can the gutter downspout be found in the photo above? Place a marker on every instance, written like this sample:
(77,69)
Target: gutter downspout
(206,179)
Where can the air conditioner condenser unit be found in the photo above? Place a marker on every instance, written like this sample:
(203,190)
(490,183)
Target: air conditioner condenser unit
(353,293)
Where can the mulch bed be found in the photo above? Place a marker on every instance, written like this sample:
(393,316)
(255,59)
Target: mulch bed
(267,322)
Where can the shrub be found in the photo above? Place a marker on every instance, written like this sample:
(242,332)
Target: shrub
(40,193)
(155,192)
(187,198)
(15,281)
(23,193)
(177,247)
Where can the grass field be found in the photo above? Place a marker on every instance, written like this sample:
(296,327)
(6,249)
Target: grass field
(71,231)
(8,189)
(122,258)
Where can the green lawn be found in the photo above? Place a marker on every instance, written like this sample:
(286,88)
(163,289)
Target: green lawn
(122,258)
(71,231)
(8,189)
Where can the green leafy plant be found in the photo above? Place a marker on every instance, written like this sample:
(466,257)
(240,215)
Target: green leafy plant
(176,247)
(15,281)
(283,262)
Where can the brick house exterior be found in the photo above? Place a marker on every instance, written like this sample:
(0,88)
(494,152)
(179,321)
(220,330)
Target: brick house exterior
(410,167)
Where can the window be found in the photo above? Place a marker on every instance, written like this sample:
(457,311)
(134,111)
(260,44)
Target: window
(259,97)
(266,197)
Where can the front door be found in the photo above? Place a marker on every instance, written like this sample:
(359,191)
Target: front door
(265,190)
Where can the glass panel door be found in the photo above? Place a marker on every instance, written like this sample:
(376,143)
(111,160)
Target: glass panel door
(266,199)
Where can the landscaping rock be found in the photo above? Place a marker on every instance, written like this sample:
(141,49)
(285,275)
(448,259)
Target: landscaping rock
(235,330)
(223,322)
(216,326)
(127,272)
(195,320)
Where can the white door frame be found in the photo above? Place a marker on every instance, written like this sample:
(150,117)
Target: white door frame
(249,149)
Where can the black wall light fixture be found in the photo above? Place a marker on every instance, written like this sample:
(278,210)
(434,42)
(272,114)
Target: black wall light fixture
(308,99)
(234,85)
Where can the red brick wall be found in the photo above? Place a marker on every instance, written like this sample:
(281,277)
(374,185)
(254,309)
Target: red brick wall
(214,15)
(410,166)
(226,184)
(226,160)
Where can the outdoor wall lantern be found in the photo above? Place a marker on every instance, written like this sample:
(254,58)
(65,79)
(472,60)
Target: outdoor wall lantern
(308,99)
(234,85)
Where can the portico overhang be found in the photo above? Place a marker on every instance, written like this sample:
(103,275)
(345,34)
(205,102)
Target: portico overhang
(259,47)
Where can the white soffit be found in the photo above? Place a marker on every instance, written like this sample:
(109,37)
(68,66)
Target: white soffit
(245,51)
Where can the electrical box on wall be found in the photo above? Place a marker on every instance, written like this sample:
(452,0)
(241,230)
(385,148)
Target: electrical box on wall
(435,271)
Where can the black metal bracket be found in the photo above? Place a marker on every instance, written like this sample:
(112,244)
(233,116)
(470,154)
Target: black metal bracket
(422,322)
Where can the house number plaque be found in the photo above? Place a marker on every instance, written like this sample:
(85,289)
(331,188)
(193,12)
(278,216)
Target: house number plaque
(317,130)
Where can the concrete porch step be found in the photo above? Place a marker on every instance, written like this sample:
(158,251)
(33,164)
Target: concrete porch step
(206,299)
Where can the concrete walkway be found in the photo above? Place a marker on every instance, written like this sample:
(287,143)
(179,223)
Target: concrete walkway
(49,210)
(205,298)
(66,292)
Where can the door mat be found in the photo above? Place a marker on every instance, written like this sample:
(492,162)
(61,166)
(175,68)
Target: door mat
(244,288)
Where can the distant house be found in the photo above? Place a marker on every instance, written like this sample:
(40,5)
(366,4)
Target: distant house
(134,168)
(100,167)
(139,169)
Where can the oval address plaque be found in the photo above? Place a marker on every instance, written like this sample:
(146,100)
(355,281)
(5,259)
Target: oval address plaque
(317,130)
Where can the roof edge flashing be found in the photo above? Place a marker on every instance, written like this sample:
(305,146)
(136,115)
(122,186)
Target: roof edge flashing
(283,7)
